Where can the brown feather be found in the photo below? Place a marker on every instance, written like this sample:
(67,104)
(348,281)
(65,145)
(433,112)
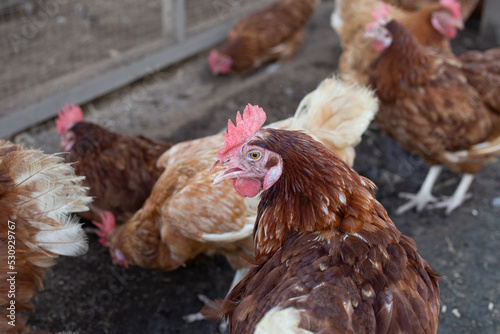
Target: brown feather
(483,73)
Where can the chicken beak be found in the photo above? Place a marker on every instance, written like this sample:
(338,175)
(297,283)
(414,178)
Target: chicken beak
(225,171)
(218,167)
(459,24)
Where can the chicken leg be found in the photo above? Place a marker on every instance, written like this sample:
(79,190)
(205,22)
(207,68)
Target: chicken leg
(240,273)
(424,195)
(459,196)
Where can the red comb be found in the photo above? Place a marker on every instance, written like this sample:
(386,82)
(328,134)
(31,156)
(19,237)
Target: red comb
(253,118)
(106,227)
(453,6)
(68,116)
(382,13)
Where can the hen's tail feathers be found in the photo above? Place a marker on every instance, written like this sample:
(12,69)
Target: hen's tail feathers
(337,114)
(478,152)
(214,310)
(38,192)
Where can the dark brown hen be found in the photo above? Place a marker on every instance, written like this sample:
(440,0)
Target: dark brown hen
(120,170)
(328,259)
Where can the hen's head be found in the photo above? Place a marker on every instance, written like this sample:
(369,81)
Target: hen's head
(68,116)
(376,30)
(250,167)
(104,230)
(219,63)
(448,19)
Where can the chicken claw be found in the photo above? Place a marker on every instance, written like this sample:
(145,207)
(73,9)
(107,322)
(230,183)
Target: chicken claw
(418,201)
(424,195)
(459,196)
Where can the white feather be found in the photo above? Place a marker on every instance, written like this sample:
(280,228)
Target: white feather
(337,114)
(277,320)
(69,239)
(245,232)
(49,192)
(336,18)
(484,149)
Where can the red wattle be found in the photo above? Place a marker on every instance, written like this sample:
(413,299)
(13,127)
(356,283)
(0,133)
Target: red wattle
(247,187)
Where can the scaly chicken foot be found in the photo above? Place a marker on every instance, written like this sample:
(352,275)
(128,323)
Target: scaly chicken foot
(458,197)
(424,195)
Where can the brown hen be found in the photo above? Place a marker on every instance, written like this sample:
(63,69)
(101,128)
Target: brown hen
(328,259)
(273,33)
(120,170)
(433,25)
(430,104)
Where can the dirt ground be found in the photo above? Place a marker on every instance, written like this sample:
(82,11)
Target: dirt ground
(89,295)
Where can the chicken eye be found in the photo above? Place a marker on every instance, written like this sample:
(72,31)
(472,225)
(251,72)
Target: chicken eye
(254,155)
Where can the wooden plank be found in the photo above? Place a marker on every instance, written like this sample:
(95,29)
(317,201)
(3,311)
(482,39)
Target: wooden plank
(93,88)
(490,23)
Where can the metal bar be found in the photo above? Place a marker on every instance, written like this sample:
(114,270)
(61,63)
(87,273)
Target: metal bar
(167,18)
(180,20)
(91,89)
